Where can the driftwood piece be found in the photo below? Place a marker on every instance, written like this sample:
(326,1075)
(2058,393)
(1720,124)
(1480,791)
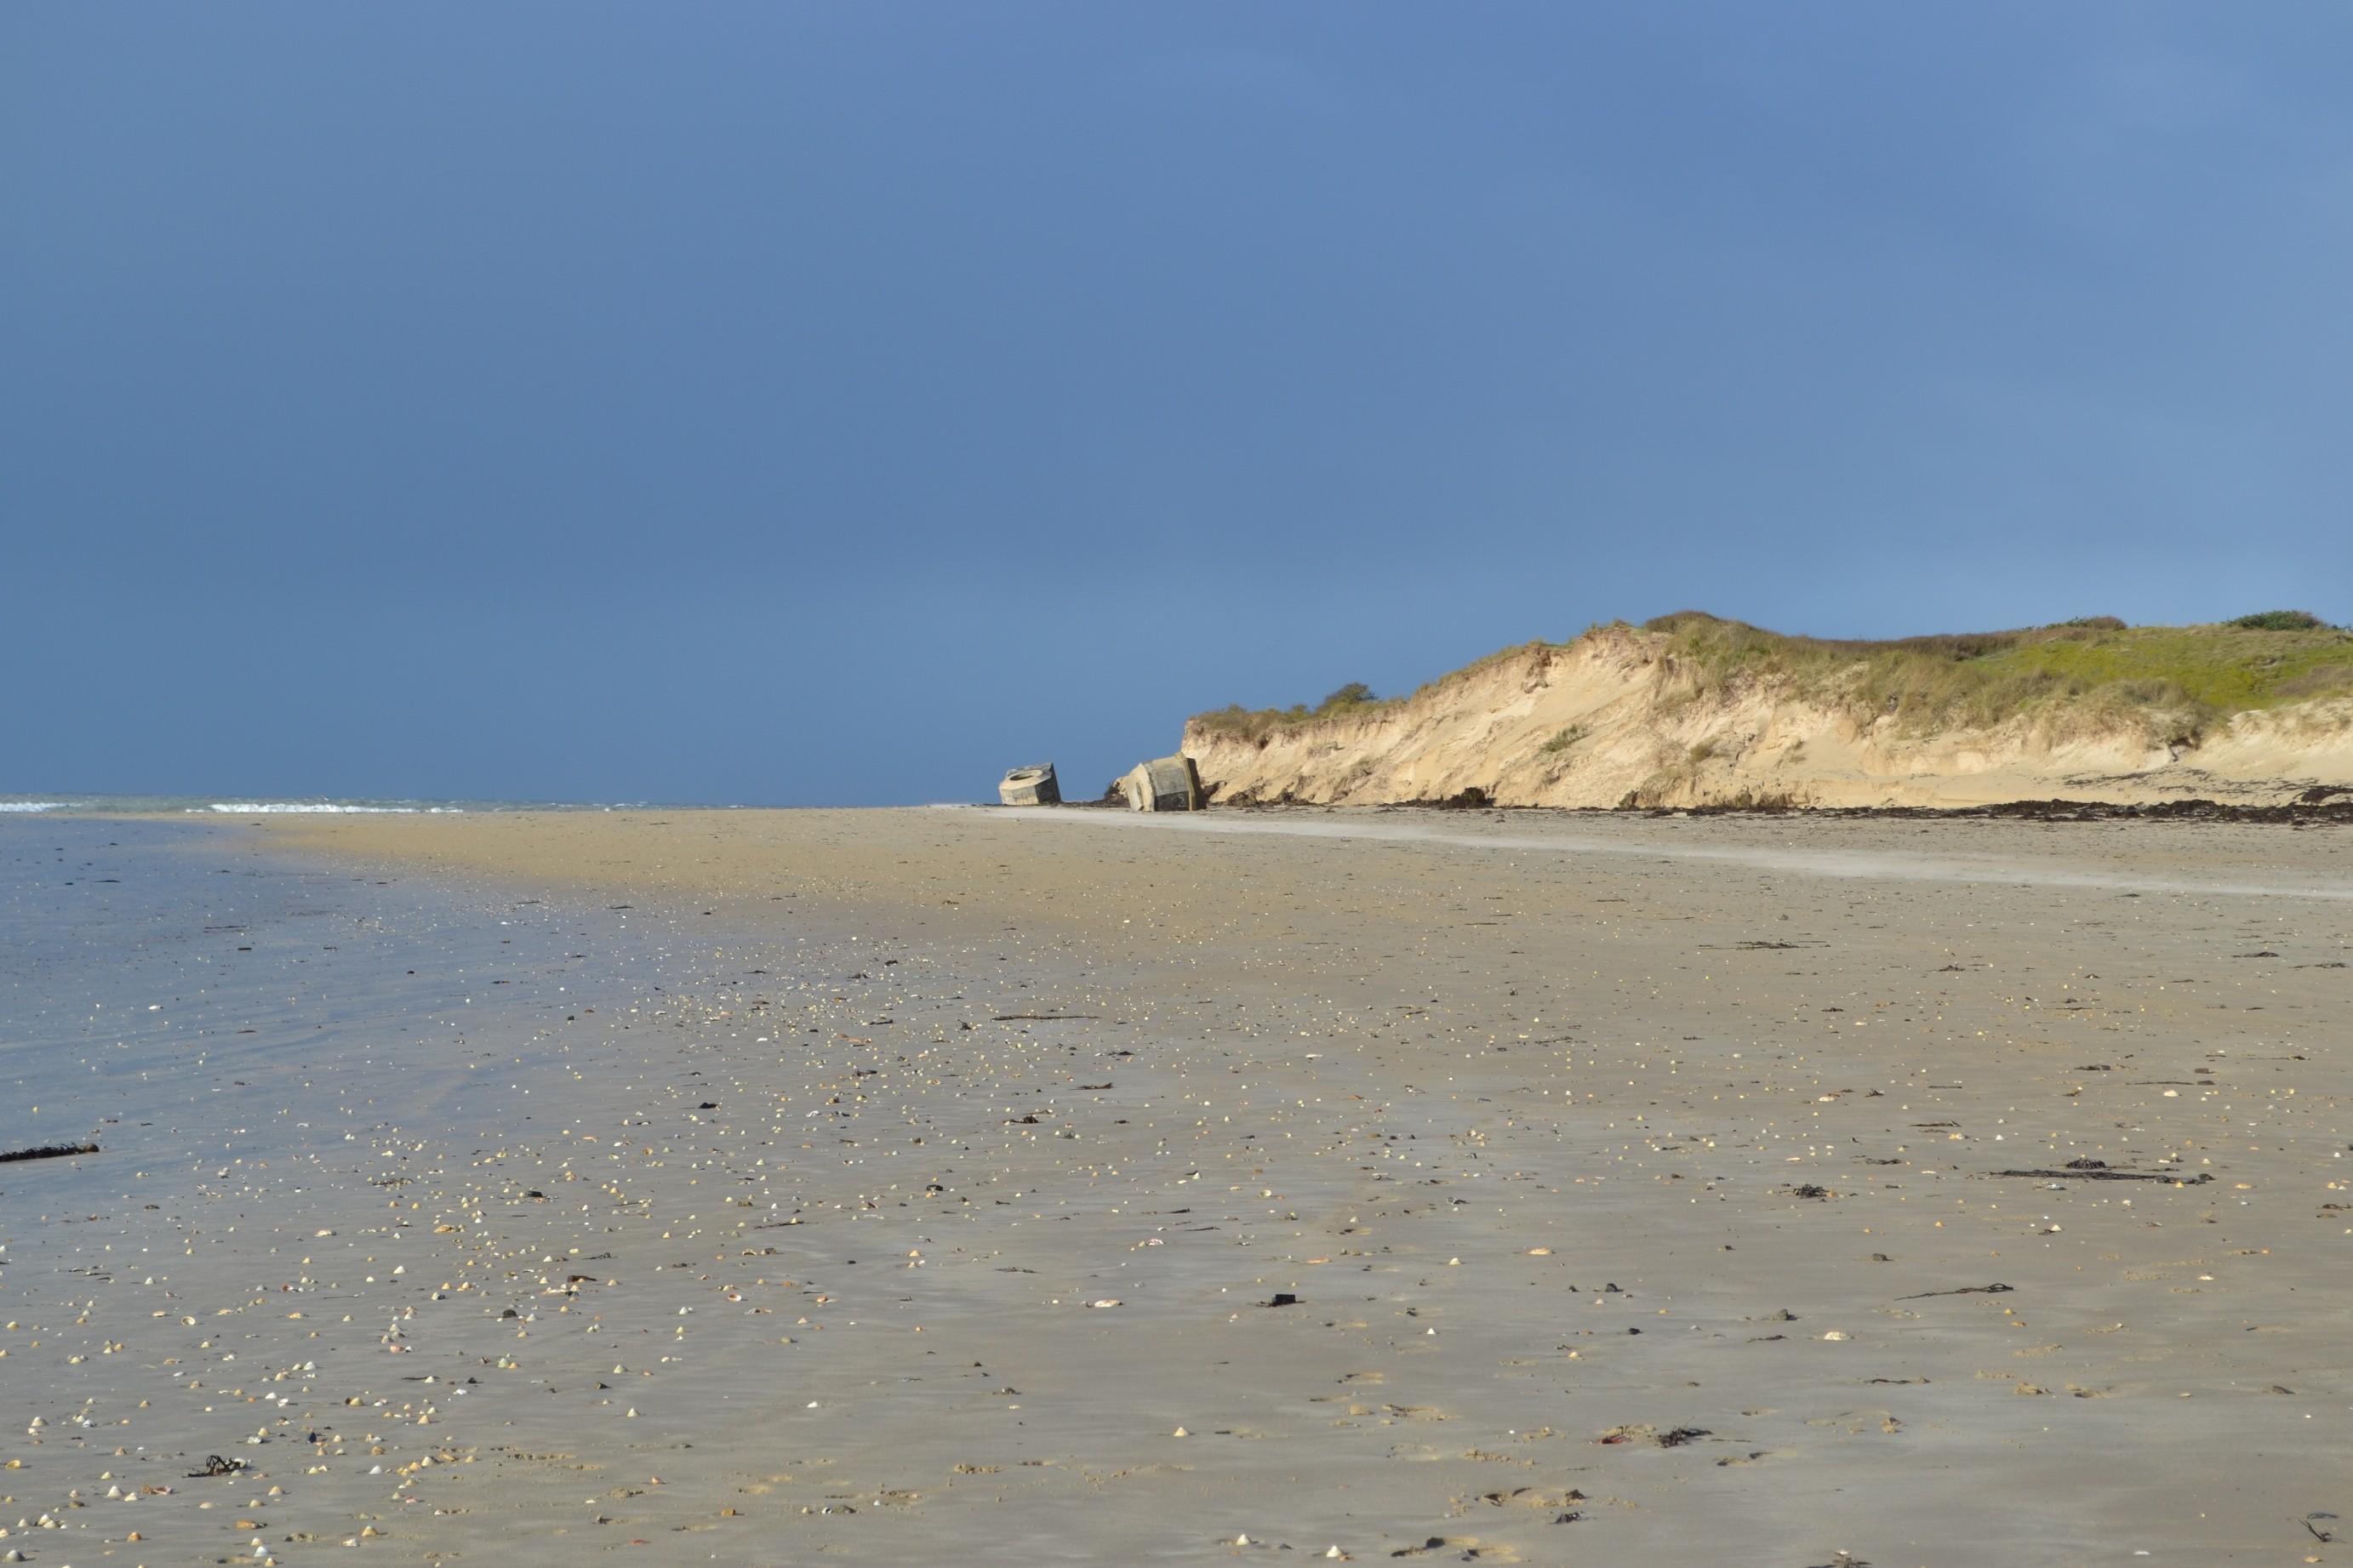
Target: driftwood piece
(2097,1173)
(54,1151)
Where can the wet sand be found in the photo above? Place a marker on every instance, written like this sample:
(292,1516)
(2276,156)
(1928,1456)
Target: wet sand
(897,1185)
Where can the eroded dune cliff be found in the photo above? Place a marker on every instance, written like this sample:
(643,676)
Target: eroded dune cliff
(1691,710)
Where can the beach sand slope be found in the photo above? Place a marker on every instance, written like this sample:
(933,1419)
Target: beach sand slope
(993,1186)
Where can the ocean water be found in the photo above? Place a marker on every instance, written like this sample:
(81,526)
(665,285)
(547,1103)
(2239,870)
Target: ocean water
(66,803)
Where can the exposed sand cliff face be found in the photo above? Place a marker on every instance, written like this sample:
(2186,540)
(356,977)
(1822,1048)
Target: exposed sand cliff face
(1613,718)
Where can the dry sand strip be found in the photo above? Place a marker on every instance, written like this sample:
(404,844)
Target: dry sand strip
(1793,853)
(936,1188)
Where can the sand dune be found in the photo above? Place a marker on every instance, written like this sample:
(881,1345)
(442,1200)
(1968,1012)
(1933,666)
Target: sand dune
(1619,717)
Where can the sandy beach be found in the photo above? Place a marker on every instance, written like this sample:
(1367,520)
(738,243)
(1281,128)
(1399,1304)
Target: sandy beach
(981,1186)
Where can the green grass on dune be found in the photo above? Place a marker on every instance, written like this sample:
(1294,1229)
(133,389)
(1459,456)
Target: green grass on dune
(1354,700)
(2178,680)
(2222,671)
(2173,683)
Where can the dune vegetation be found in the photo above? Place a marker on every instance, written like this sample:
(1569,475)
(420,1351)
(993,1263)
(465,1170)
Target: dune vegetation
(1354,700)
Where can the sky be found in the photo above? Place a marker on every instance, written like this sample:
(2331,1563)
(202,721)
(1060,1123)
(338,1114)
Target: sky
(770,403)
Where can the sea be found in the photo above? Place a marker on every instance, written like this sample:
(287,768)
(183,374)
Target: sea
(252,805)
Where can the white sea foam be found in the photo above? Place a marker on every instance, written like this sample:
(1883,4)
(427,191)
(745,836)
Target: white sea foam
(312,806)
(32,805)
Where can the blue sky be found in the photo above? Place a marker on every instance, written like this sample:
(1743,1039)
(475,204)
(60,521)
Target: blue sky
(839,403)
